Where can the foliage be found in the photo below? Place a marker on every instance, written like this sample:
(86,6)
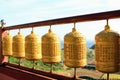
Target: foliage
(44,66)
(68,68)
(37,64)
(90,53)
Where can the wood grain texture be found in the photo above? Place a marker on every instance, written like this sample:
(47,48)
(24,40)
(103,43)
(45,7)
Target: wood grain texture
(79,18)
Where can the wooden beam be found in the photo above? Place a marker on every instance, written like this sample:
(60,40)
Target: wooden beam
(17,74)
(80,18)
(40,72)
(2,58)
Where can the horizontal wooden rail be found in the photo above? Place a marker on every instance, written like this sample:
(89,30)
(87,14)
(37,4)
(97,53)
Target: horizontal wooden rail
(16,74)
(53,75)
(80,18)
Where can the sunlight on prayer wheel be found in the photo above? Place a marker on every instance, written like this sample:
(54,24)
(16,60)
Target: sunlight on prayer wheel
(18,46)
(75,49)
(7,45)
(107,50)
(33,47)
(51,50)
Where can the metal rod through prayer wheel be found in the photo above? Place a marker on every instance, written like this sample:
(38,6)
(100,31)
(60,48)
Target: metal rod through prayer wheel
(75,73)
(51,68)
(19,61)
(33,62)
(107,76)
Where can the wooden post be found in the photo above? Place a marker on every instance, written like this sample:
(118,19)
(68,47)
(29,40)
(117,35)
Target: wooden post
(2,58)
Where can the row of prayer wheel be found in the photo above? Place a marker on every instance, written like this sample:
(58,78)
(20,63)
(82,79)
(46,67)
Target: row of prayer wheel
(31,47)
(107,54)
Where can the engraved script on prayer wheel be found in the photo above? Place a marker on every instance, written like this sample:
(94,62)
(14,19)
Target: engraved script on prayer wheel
(51,51)
(33,47)
(7,45)
(107,50)
(74,49)
(18,46)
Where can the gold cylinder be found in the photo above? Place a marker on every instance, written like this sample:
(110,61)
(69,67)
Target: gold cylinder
(18,46)
(33,47)
(7,45)
(107,51)
(74,49)
(51,51)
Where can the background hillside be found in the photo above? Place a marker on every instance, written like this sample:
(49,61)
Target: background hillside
(89,43)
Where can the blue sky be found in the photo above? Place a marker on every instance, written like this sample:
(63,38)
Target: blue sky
(25,11)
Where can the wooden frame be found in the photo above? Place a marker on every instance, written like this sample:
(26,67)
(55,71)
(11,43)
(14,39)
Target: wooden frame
(81,18)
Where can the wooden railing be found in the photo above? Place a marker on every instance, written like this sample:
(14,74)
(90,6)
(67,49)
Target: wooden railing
(81,18)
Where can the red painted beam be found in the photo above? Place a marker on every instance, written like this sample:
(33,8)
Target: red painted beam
(53,75)
(5,77)
(66,20)
(7,73)
(2,58)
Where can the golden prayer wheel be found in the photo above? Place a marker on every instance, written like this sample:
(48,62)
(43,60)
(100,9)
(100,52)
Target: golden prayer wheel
(7,45)
(18,46)
(74,49)
(33,47)
(107,50)
(51,51)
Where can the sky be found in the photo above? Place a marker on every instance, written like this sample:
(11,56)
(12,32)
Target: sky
(16,12)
